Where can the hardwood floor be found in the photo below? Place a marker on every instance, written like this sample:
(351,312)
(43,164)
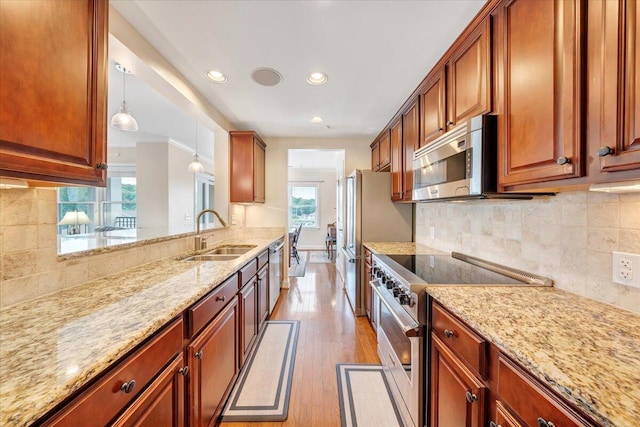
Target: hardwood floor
(328,335)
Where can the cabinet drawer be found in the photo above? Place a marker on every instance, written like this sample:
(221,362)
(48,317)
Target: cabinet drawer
(471,347)
(203,311)
(530,401)
(247,272)
(106,398)
(263,259)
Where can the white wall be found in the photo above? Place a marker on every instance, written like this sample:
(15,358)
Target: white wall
(152,180)
(180,199)
(273,213)
(314,238)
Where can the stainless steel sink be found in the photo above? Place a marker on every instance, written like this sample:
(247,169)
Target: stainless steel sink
(231,249)
(211,257)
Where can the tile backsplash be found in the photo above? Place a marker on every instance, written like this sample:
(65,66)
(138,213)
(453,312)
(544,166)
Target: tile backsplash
(568,237)
(29,263)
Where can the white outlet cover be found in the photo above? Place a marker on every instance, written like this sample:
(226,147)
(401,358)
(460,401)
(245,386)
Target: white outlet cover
(432,232)
(626,269)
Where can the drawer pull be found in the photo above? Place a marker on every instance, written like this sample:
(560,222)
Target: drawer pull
(605,151)
(563,160)
(222,298)
(128,386)
(544,423)
(492,424)
(198,355)
(472,398)
(448,333)
(183,371)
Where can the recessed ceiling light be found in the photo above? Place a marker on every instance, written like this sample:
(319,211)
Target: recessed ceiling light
(317,78)
(266,76)
(216,76)
(316,119)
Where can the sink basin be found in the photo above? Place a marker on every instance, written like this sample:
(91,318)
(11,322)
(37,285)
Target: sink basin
(211,257)
(231,249)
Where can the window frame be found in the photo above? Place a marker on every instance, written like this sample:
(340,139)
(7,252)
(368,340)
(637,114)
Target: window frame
(291,186)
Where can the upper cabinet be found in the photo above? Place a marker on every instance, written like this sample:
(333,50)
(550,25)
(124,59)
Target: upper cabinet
(247,167)
(613,109)
(433,107)
(53,108)
(410,143)
(469,76)
(539,97)
(381,153)
(397,166)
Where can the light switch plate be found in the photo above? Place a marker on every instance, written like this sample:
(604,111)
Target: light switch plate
(626,269)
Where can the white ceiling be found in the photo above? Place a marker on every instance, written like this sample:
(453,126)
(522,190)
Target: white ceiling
(374,52)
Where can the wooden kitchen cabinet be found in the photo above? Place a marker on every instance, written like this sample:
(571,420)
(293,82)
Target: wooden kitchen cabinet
(381,153)
(432,108)
(248,318)
(247,167)
(263,295)
(538,58)
(613,110)
(120,388)
(396,160)
(375,156)
(458,397)
(162,404)
(410,143)
(54,129)
(368,292)
(213,366)
(469,77)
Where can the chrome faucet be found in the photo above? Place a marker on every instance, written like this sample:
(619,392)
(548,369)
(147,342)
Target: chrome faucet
(201,243)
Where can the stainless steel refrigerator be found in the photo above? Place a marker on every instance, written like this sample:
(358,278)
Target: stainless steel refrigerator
(371,216)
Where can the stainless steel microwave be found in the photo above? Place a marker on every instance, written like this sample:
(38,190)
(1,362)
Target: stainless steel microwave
(461,164)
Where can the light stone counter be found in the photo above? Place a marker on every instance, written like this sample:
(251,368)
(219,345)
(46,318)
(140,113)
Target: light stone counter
(587,351)
(51,346)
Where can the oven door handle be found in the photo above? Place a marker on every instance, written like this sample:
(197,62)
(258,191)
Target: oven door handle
(410,327)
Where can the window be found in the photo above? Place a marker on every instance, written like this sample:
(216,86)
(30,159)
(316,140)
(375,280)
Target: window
(303,205)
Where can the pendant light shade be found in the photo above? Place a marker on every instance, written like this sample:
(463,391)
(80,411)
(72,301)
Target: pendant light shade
(123,119)
(195,166)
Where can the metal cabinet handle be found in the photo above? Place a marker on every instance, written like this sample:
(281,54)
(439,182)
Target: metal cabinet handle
(222,298)
(563,160)
(198,355)
(544,423)
(102,166)
(448,333)
(128,386)
(440,129)
(471,397)
(605,151)
(183,371)
(450,123)
(492,424)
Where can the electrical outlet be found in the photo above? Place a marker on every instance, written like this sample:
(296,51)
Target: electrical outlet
(626,269)
(432,232)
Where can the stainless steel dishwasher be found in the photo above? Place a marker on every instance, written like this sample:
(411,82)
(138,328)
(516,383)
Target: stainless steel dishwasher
(276,263)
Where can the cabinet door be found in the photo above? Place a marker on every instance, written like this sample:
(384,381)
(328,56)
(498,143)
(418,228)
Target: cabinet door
(457,396)
(410,143)
(263,296)
(248,318)
(504,418)
(213,359)
(375,156)
(368,300)
(385,151)
(614,96)
(162,404)
(433,107)
(396,160)
(469,77)
(54,90)
(258,172)
(538,56)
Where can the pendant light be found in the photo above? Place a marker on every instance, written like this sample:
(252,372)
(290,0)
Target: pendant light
(123,120)
(195,166)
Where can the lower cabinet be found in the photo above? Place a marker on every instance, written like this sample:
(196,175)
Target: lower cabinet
(263,295)
(458,397)
(162,404)
(248,318)
(213,365)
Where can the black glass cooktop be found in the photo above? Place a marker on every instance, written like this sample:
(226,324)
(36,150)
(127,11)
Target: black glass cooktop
(444,269)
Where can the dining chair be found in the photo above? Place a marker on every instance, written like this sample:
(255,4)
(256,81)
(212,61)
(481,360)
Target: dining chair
(330,240)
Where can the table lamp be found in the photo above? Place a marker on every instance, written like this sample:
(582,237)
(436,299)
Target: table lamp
(73,220)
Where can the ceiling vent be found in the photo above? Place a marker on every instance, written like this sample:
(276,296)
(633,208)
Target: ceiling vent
(266,76)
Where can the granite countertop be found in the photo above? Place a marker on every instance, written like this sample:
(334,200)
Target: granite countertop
(587,351)
(51,346)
